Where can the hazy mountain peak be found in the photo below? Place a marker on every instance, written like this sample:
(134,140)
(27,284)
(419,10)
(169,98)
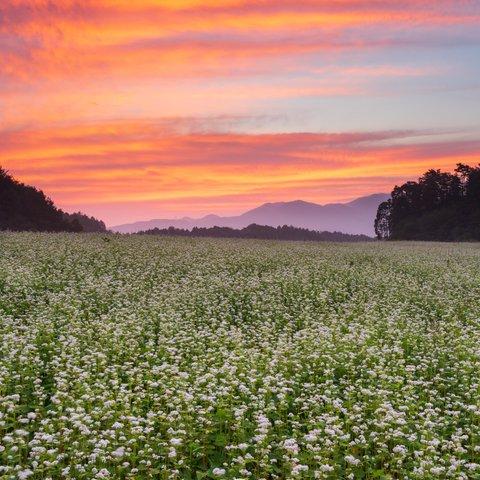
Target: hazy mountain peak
(281,206)
(354,217)
(374,198)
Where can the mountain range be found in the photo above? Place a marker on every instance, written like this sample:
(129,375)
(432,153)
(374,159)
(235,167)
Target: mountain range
(355,217)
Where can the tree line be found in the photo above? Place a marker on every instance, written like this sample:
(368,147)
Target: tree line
(439,206)
(26,208)
(264,232)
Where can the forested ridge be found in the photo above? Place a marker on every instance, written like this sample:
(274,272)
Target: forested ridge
(26,208)
(266,232)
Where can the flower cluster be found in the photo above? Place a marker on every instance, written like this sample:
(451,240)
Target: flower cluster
(136,357)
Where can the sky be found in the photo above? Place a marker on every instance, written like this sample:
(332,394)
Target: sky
(131,110)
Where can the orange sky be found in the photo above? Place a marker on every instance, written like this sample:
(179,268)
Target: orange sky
(134,110)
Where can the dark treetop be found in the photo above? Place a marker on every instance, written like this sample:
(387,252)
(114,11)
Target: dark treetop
(440,206)
(23,207)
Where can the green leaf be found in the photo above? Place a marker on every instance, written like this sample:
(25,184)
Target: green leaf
(221,439)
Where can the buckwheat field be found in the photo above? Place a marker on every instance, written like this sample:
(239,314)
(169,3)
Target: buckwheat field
(135,357)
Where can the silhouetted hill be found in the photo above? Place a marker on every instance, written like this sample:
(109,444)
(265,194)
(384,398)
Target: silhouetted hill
(88,224)
(260,232)
(440,206)
(25,208)
(354,217)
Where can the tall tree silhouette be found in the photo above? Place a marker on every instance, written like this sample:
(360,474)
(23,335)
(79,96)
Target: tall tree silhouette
(440,206)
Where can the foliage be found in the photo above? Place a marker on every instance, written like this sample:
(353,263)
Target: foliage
(25,208)
(88,224)
(440,206)
(139,357)
(265,232)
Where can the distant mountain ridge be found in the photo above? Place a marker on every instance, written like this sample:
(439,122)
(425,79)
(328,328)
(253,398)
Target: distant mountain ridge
(355,217)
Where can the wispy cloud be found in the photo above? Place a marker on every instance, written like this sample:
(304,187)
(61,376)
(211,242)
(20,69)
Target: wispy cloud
(155,103)
(71,38)
(154,166)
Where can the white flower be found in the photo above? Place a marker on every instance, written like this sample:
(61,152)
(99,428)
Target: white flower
(352,460)
(290,444)
(103,473)
(297,469)
(400,449)
(289,351)
(23,474)
(437,470)
(119,452)
(326,468)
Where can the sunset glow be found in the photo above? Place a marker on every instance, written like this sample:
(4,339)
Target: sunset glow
(142,109)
